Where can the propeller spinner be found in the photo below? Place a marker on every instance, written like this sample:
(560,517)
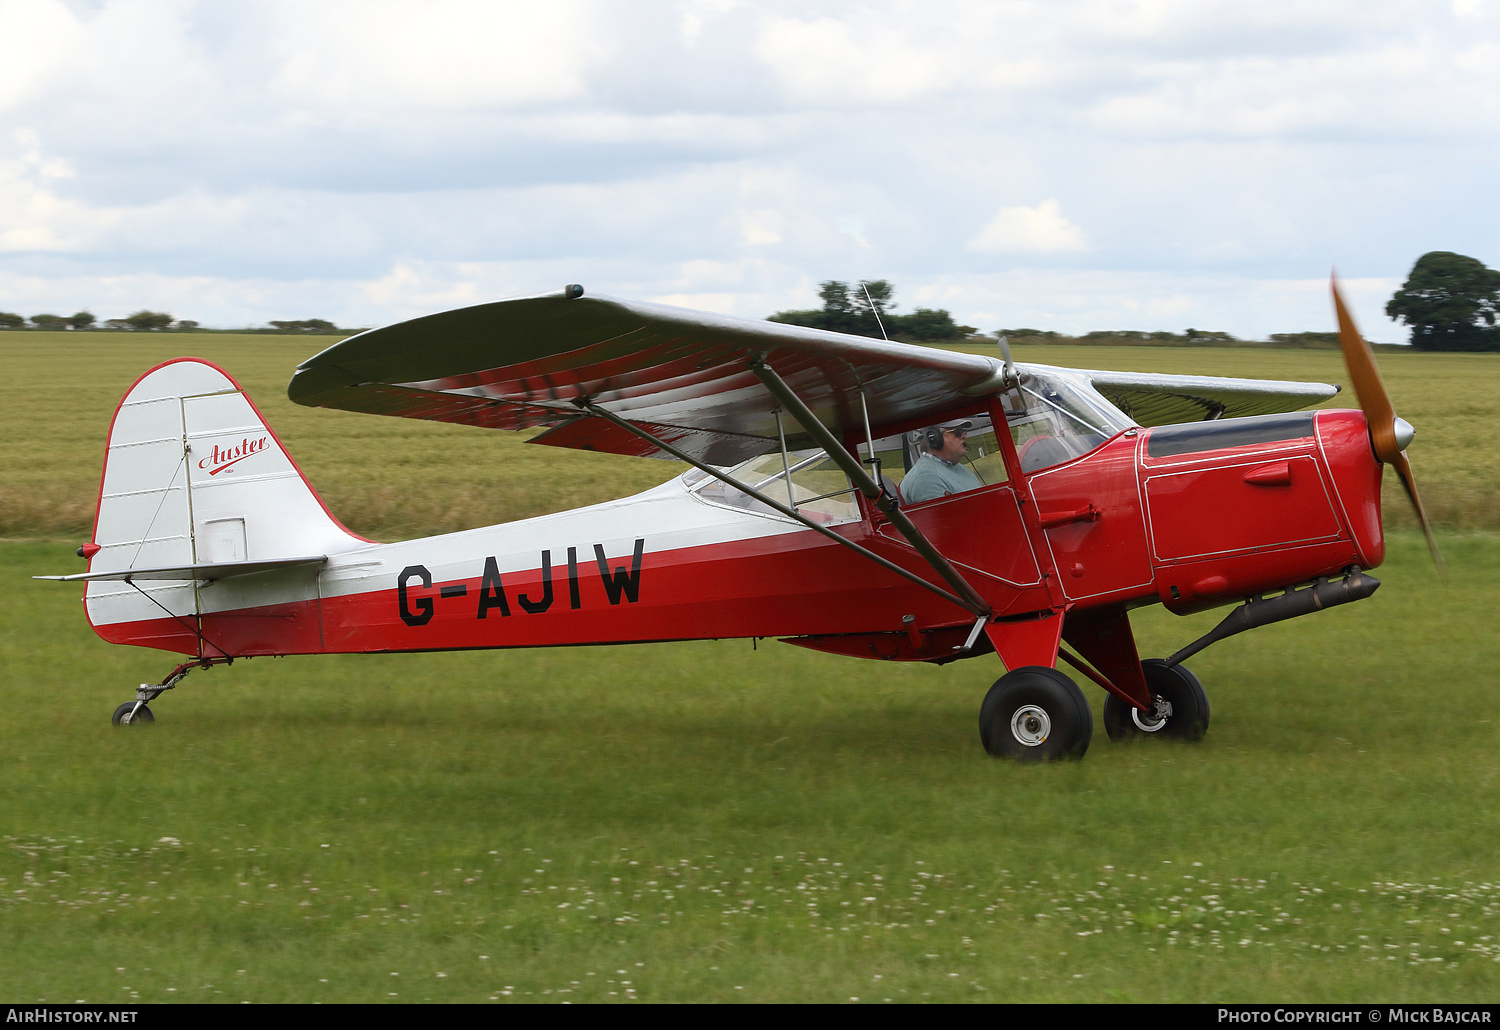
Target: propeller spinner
(1389,435)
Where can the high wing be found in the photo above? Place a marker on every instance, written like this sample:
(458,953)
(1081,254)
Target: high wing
(684,375)
(687,377)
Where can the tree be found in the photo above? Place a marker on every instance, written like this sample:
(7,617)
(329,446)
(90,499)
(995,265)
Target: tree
(81,320)
(1451,302)
(838,313)
(49,321)
(927,324)
(186,325)
(306,325)
(148,320)
(10,321)
(864,309)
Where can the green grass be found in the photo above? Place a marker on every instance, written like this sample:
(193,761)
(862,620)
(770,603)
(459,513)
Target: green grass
(713,821)
(708,821)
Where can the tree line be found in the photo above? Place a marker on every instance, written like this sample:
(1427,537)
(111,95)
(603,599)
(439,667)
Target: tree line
(149,322)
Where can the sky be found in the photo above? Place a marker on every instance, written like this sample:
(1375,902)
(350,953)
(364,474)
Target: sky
(1069,165)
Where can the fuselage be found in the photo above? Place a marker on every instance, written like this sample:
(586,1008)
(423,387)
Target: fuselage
(1194,516)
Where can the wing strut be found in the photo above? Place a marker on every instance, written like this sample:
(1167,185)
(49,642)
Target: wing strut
(723,477)
(868,486)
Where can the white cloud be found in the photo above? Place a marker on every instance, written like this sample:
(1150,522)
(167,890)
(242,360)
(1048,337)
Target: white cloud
(842,61)
(693,15)
(33,217)
(760,228)
(438,54)
(420,289)
(1029,230)
(38,35)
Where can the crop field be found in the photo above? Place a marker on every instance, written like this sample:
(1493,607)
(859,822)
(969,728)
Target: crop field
(717,822)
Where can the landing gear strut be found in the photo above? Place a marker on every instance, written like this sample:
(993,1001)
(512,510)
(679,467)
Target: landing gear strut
(135,713)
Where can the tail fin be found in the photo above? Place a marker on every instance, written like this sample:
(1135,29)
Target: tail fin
(193,475)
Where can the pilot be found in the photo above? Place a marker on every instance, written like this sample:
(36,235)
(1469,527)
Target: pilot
(940,470)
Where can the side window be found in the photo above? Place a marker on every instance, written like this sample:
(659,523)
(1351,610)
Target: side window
(978,463)
(984,454)
(817,488)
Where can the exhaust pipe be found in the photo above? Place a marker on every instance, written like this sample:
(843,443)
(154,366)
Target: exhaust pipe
(1262,611)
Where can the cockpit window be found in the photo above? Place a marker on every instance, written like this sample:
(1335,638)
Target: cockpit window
(816,487)
(1053,417)
(1053,420)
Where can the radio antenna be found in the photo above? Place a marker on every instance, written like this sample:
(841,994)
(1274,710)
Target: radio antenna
(874,310)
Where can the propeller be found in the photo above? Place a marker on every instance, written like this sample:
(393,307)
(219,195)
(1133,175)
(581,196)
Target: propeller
(1389,434)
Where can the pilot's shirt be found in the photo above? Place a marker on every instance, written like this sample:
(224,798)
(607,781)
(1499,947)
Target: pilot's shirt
(933,477)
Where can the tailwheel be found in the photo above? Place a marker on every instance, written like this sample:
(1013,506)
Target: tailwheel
(1035,714)
(135,713)
(1179,709)
(132,713)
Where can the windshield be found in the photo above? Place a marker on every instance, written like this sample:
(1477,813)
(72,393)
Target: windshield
(1054,419)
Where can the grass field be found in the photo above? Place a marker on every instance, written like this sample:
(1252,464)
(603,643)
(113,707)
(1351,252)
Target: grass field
(705,821)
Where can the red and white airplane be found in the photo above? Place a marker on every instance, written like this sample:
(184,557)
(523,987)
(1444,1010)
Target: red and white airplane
(1072,497)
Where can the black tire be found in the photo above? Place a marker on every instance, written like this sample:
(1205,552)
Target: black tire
(1173,684)
(1035,714)
(142,716)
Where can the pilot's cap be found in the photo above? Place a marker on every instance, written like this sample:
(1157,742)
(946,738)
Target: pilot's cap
(957,423)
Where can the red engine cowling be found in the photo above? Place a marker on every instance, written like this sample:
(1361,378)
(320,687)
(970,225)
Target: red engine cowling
(1242,507)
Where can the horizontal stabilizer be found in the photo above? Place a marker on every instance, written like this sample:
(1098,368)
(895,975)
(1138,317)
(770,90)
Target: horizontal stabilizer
(206,570)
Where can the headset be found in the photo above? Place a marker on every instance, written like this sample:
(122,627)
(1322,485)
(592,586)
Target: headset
(933,437)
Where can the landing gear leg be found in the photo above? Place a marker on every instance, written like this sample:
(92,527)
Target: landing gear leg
(135,713)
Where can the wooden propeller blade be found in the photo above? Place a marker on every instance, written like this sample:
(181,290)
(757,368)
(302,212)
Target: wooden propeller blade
(1375,402)
(1403,469)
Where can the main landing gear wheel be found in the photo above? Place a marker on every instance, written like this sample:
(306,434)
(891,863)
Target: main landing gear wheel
(1035,714)
(132,713)
(1180,710)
